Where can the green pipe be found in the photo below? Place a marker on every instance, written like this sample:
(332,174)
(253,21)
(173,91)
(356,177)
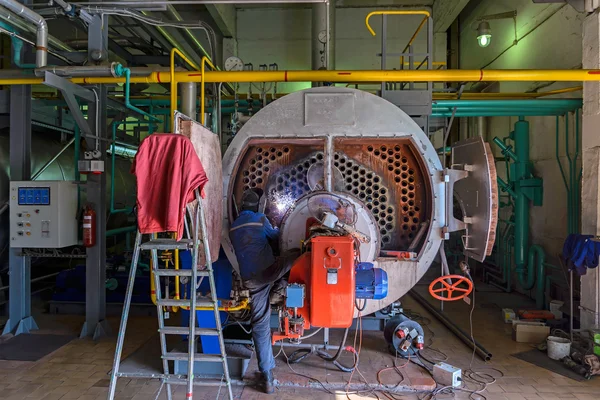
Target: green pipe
(113,157)
(506,187)
(576,181)
(119,72)
(562,171)
(540,290)
(118,231)
(511,108)
(496,113)
(77,155)
(571,183)
(506,150)
(521,169)
(17,47)
(562,103)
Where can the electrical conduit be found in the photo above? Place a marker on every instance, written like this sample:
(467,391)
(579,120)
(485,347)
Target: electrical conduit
(41,44)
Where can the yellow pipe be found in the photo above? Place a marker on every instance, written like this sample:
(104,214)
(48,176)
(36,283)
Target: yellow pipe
(353,76)
(174,81)
(434,63)
(412,39)
(203,63)
(408,12)
(243,305)
(559,91)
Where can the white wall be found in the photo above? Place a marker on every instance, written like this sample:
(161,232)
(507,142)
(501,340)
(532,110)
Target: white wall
(549,38)
(283,36)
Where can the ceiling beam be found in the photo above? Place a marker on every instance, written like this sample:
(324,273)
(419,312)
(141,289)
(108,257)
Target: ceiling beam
(224,16)
(445,12)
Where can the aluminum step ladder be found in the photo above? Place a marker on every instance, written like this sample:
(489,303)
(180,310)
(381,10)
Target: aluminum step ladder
(191,242)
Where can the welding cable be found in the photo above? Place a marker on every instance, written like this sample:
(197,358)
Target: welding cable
(359,308)
(299,355)
(323,354)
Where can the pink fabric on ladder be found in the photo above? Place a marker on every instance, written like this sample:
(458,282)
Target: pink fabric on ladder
(168,171)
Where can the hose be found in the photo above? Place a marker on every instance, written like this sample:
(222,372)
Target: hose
(301,354)
(325,356)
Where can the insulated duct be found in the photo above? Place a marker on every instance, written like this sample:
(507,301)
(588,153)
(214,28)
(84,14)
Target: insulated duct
(323,46)
(41,44)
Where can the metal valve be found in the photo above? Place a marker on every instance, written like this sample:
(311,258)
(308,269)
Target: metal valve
(402,333)
(419,342)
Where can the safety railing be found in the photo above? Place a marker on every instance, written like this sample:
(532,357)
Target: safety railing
(427,16)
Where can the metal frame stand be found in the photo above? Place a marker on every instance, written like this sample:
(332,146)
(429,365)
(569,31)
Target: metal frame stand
(20,319)
(95,293)
(199,234)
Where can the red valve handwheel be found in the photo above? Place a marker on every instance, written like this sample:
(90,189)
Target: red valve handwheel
(456,280)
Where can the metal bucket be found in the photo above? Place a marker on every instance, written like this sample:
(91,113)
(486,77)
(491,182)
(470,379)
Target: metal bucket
(558,347)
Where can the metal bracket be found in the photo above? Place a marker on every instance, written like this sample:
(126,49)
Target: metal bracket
(451,176)
(70,91)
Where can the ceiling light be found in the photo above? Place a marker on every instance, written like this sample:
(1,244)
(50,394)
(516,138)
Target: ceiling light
(484,34)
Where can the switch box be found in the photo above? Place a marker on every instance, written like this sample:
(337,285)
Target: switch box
(43,214)
(447,375)
(294,295)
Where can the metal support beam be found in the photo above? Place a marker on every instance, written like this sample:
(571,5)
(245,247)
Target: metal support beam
(96,324)
(19,311)
(70,91)
(224,16)
(445,12)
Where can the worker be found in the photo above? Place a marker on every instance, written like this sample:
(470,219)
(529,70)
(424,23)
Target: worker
(263,274)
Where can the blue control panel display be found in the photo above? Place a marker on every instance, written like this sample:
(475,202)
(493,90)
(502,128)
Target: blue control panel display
(34,196)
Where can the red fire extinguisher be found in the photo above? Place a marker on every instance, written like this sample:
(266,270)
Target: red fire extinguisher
(89,227)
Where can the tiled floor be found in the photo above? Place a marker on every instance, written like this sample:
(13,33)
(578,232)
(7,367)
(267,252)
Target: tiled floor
(80,369)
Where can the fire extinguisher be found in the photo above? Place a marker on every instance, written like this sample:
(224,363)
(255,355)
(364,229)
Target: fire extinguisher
(89,227)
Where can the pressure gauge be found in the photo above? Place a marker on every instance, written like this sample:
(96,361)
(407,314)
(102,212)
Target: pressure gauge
(234,64)
(323,37)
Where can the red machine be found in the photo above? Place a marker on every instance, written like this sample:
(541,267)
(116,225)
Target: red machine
(321,288)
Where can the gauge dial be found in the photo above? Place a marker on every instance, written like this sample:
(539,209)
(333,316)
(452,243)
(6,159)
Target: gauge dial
(323,37)
(234,64)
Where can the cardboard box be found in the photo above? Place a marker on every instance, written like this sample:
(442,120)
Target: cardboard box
(509,315)
(529,333)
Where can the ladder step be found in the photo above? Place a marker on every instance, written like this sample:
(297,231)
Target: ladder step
(179,272)
(197,381)
(167,244)
(184,330)
(175,356)
(185,303)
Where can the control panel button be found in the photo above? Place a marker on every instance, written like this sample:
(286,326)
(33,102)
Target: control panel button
(19,224)
(27,224)
(20,233)
(28,233)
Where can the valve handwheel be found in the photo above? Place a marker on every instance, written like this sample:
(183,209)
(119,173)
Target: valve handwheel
(454,290)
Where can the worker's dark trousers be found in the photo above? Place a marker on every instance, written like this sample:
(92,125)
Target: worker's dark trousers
(261,307)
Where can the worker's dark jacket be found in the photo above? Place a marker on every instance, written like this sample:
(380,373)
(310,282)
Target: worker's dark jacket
(250,235)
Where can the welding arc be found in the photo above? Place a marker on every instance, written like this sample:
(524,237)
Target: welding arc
(301,354)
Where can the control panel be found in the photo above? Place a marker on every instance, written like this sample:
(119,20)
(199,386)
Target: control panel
(43,214)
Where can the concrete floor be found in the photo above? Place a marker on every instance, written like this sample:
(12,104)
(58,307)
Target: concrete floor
(80,369)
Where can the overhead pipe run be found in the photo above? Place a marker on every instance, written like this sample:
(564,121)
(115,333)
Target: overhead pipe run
(375,76)
(41,44)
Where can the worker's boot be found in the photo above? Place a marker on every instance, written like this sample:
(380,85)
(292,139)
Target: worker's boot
(269,382)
